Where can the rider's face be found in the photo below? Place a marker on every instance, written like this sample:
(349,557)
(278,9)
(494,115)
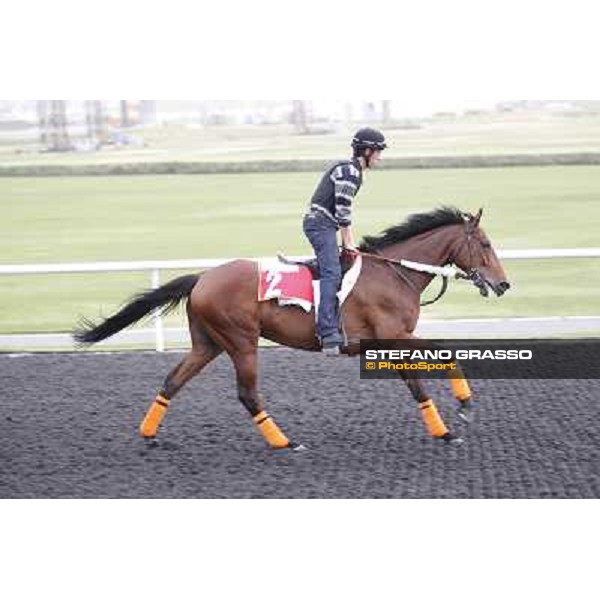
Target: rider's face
(373,157)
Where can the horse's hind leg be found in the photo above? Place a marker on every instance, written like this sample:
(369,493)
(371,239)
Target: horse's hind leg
(243,351)
(246,367)
(203,351)
(228,303)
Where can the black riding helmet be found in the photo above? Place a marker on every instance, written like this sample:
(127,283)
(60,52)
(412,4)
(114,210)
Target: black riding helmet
(368,138)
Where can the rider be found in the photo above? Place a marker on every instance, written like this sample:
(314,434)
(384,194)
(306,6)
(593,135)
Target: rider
(330,210)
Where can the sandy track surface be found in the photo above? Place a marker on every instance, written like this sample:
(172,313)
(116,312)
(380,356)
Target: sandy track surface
(68,428)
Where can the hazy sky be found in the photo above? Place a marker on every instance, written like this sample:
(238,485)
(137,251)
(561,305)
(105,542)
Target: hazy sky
(432,55)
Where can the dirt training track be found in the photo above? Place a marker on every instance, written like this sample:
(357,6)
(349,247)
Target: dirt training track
(68,428)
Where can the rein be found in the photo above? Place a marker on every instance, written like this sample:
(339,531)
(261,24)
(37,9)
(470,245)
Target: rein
(446,272)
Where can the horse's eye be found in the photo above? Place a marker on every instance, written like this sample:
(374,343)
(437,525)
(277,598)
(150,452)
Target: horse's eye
(486,245)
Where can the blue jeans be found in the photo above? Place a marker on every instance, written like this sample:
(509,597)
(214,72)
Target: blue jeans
(322,234)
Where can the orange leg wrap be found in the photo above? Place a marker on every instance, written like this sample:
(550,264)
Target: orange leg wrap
(432,419)
(272,434)
(156,413)
(460,388)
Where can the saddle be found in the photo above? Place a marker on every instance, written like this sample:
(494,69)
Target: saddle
(297,283)
(346,261)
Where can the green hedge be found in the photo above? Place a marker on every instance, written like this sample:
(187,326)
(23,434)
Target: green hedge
(274,166)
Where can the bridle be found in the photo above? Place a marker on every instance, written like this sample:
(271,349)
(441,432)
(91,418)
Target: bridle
(471,274)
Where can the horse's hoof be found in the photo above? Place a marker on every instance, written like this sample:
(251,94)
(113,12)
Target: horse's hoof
(453,440)
(465,412)
(297,447)
(466,415)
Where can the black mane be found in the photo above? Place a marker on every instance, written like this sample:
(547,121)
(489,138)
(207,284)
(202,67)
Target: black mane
(414,225)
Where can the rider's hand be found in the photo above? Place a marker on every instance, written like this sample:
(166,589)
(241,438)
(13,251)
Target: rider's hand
(353,249)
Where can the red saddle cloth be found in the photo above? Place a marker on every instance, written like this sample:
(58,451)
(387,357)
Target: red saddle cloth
(291,284)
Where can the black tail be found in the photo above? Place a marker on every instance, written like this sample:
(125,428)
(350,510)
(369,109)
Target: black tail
(165,298)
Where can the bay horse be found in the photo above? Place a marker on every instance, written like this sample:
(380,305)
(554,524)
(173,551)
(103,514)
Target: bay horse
(225,315)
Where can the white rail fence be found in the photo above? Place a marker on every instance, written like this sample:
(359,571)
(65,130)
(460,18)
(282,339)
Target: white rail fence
(155,267)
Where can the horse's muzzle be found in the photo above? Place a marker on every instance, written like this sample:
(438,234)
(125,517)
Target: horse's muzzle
(484,285)
(501,288)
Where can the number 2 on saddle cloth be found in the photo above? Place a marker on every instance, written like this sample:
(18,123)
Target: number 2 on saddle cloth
(294,283)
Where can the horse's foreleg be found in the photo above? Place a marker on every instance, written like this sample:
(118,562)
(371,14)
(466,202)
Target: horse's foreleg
(462,392)
(431,417)
(246,367)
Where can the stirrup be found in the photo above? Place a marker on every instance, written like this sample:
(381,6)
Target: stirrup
(332,351)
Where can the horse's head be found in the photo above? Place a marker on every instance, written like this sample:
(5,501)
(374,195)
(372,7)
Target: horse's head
(475,255)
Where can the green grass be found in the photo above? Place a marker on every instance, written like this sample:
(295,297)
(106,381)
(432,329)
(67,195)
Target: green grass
(50,220)
(516,133)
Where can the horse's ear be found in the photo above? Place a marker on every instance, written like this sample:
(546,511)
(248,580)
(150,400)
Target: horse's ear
(477,218)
